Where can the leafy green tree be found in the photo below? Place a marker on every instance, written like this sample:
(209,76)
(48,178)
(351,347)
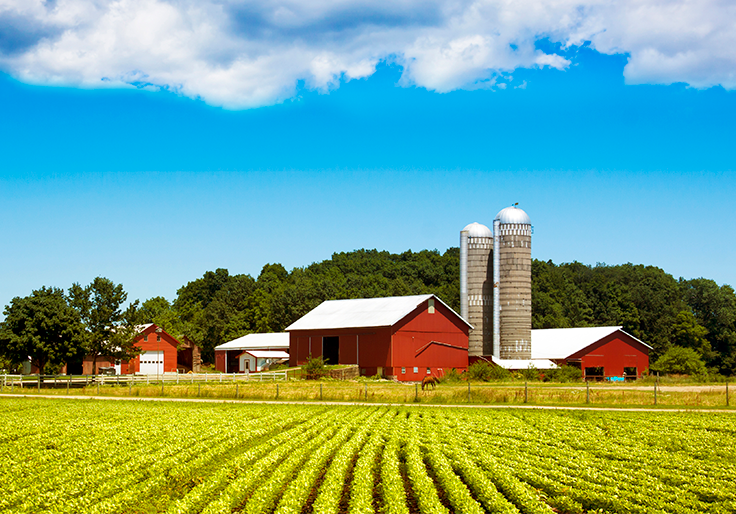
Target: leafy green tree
(714,307)
(110,329)
(41,326)
(680,361)
(688,333)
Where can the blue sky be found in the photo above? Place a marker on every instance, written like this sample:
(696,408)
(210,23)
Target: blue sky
(172,165)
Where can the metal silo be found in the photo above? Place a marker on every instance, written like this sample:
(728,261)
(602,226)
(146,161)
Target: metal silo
(476,243)
(512,278)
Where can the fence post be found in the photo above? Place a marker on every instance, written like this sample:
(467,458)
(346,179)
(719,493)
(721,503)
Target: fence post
(130,385)
(277,391)
(320,392)
(366,392)
(98,388)
(236,390)
(68,379)
(526,392)
(39,382)
(587,391)
(162,386)
(655,389)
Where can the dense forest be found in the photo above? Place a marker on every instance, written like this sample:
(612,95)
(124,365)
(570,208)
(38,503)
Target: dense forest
(693,317)
(650,304)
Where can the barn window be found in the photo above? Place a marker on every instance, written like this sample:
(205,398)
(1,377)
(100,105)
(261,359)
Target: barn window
(429,371)
(158,339)
(631,372)
(145,337)
(403,371)
(416,370)
(431,306)
(596,373)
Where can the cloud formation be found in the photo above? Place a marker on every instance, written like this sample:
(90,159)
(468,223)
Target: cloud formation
(244,53)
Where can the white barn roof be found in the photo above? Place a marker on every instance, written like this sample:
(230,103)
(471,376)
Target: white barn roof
(560,343)
(257,342)
(362,312)
(524,363)
(267,354)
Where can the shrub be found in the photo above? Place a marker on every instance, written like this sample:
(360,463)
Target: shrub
(564,374)
(531,373)
(314,368)
(451,376)
(680,361)
(483,370)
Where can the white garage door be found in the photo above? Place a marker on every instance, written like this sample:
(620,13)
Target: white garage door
(152,363)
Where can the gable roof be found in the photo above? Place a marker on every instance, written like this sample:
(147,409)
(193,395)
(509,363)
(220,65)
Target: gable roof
(559,343)
(257,341)
(363,313)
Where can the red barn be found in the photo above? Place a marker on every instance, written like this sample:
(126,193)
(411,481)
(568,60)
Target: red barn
(598,351)
(159,354)
(406,337)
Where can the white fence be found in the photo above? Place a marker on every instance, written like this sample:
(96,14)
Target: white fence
(76,381)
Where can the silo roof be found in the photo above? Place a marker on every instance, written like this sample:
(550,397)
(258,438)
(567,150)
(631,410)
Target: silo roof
(513,215)
(475,229)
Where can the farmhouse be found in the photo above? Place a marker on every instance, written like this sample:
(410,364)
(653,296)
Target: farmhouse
(598,351)
(237,356)
(404,337)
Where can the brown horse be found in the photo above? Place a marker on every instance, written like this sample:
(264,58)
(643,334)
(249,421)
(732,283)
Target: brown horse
(430,381)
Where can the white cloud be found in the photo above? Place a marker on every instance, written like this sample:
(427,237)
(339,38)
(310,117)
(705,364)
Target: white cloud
(240,53)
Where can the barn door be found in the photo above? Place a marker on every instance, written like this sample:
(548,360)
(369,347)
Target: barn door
(331,350)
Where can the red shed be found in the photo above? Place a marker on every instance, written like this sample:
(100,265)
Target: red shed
(598,351)
(159,354)
(405,337)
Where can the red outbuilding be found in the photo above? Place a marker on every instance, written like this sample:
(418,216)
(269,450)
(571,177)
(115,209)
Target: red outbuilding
(159,354)
(403,337)
(600,352)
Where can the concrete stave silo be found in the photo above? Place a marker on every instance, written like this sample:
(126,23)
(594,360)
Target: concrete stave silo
(476,288)
(513,292)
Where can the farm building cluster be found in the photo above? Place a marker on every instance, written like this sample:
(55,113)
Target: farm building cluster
(410,337)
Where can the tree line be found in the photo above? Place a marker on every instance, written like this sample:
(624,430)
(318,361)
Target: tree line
(669,314)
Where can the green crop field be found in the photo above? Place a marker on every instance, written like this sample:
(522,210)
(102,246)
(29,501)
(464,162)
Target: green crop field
(131,456)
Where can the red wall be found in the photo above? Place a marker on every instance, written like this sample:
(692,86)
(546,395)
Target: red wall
(373,345)
(393,348)
(613,353)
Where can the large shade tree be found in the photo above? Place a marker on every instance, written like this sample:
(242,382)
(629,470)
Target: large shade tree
(110,330)
(42,326)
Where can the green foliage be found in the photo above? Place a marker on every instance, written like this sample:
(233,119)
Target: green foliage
(110,331)
(485,371)
(452,377)
(680,361)
(563,374)
(314,368)
(530,373)
(714,309)
(41,326)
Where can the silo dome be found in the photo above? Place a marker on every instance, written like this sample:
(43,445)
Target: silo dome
(478,230)
(513,215)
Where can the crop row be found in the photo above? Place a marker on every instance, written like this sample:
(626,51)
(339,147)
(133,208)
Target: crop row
(117,457)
